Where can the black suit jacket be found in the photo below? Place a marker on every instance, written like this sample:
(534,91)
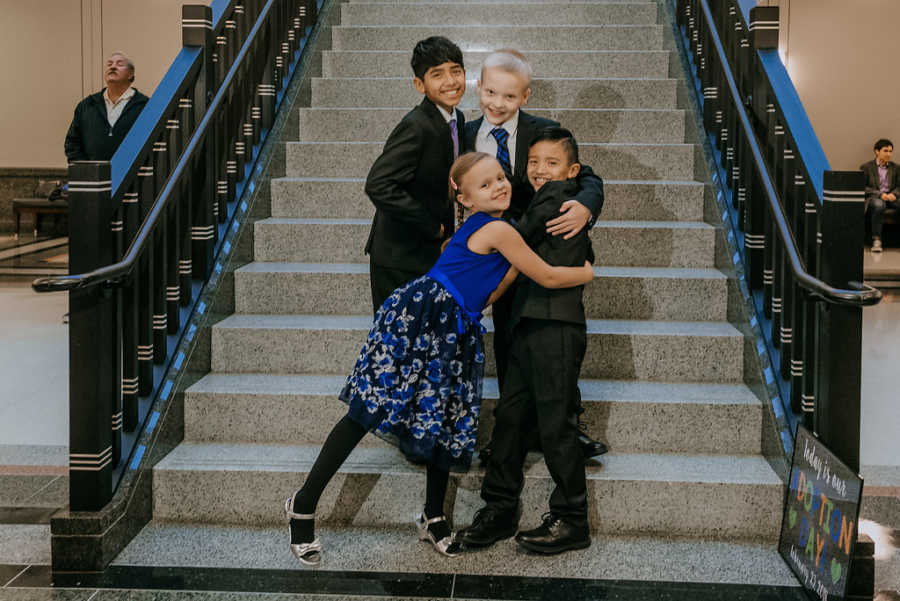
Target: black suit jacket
(873,183)
(590,192)
(408,186)
(530,298)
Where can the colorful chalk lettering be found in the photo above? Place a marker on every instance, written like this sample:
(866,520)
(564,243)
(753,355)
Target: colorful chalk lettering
(819,526)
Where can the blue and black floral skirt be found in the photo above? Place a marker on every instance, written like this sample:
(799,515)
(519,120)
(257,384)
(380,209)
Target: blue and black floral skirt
(417,382)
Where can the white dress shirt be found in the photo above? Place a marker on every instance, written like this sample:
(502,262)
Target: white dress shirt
(485,142)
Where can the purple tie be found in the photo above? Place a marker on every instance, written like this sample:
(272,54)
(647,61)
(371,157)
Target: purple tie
(455,137)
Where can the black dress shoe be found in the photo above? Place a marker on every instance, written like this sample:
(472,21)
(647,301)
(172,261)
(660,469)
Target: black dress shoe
(590,447)
(489,526)
(554,536)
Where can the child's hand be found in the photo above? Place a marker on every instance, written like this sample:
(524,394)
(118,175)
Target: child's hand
(588,272)
(573,219)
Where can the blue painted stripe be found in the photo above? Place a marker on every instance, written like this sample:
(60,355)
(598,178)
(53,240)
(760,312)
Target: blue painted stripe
(243,205)
(139,136)
(226,248)
(164,395)
(151,424)
(201,307)
(191,331)
(179,360)
(138,455)
(807,143)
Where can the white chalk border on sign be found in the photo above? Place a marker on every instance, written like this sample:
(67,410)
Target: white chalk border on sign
(836,492)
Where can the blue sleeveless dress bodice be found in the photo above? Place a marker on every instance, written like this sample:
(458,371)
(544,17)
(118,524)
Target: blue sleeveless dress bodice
(417,381)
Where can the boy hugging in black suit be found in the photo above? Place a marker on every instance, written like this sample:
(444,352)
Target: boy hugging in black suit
(408,182)
(540,391)
(507,132)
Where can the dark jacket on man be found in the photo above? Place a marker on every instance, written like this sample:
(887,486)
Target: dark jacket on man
(531,299)
(90,138)
(590,192)
(873,182)
(408,186)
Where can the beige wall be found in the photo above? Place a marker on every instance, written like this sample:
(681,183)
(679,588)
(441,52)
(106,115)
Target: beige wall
(53,56)
(830,49)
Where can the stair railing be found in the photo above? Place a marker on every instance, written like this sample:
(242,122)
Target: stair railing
(146,227)
(800,225)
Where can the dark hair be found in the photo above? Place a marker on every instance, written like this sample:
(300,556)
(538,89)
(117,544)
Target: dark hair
(560,135)
(882,143)
(432,52)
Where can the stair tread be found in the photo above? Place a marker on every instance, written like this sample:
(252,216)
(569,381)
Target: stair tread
(350,548)
(406,79)
(591,389)
(594,326)
(676,225)
(669,467)
(705,273)
(361,180)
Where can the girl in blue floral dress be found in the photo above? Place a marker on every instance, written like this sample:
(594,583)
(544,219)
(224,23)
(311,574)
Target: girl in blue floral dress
(417,381)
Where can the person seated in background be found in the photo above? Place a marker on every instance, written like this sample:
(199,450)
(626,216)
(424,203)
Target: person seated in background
(882,187)
(102,120)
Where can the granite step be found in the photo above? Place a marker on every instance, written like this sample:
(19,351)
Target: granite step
(647,493)
(669,563)
(616,243)
(545,63)
(630,416)
(671,351)
(374,124)
(558,93)
(523,37)
(656,293)
(471,13)
(335,198)
(611,161)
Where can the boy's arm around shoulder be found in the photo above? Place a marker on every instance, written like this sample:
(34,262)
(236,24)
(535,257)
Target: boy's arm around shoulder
(590,191)
(393,170)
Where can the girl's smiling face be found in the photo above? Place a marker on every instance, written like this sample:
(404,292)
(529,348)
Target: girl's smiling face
(485,188)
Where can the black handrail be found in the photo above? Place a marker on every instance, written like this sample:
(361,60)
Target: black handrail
(865,295)
(113,274)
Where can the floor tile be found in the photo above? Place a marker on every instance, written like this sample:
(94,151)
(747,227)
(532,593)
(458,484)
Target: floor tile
(25,544)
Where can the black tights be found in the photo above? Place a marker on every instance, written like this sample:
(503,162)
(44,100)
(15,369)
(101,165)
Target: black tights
(343,438)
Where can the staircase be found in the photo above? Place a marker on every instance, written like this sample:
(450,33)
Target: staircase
(684,493)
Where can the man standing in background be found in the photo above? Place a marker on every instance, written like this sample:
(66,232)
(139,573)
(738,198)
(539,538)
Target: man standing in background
(102,120)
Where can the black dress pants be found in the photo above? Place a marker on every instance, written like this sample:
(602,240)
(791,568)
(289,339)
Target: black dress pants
(384,280)
(540,391)
(500,311)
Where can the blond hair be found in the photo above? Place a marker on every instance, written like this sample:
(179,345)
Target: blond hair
(509,60)
(458,171)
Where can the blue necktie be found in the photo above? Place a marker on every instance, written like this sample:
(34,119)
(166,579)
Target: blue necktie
(501,135)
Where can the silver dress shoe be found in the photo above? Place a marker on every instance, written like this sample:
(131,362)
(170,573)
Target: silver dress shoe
(446,546)
(309,554)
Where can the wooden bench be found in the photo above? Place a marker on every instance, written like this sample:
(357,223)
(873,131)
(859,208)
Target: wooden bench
(38,207)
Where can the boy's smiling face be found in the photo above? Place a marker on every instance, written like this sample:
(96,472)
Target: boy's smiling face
(501,93)
(549,161)
(444,84)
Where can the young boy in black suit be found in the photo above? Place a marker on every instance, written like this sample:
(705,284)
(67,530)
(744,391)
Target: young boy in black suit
(541,388)
(507,132)
(408,182)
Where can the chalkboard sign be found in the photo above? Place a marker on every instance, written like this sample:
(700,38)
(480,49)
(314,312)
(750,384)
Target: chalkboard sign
(821,511)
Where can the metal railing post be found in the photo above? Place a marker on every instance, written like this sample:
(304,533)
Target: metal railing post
(839,327)
(93,356)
